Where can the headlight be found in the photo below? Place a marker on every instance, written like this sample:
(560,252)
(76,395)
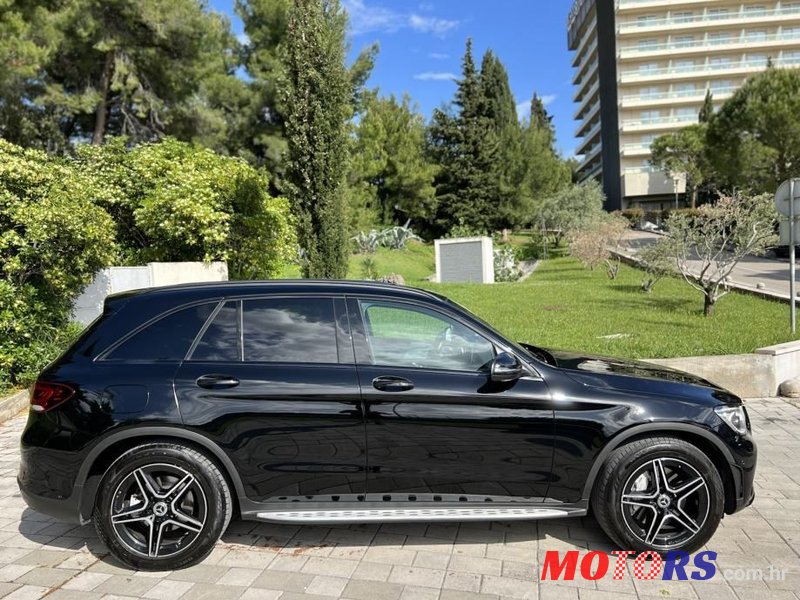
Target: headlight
(734,416)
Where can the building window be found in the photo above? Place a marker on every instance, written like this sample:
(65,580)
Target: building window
(682,17)
(685,89)
(758,10)
(648,139)
(756,35)
(719,13)
(686,114)
(790,7)
(790,32)
(791,58)
(648,68)
(650,116)
(683,41)
(721,86)
(720,37)
(757,60)
(684,65)
(645,45)
(720,62)
(649,92)
(646,20)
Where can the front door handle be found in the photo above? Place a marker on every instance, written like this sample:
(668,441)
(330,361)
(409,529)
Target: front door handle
(217,382)
(392,384)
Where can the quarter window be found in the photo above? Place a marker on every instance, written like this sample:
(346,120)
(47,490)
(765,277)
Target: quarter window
(283,330)
(409,336)
(167,339)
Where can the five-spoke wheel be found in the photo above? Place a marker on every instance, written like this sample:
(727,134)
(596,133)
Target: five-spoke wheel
(665,503)
(162,506)
(659,494)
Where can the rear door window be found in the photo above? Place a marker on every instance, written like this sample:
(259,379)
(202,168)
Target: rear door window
(167,339)
(289,330)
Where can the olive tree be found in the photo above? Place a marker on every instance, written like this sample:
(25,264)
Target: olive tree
(594,243)
(707,244)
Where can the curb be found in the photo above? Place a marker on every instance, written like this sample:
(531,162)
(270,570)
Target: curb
(12,405)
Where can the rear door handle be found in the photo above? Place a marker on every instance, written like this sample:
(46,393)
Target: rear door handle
(392,384)
(217,382)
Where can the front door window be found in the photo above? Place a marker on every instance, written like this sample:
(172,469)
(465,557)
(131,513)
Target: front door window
(408,336)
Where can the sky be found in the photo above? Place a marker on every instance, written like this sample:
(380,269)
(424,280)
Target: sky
(422,43)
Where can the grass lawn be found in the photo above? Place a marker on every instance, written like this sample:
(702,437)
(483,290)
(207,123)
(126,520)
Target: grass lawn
(562,305)
(414,263)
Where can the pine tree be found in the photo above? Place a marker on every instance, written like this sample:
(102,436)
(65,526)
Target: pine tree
(318,99)
(466,147)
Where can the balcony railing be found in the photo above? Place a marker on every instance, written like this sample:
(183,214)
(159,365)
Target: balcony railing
(743,40)
(677,119)
(676,94)
(709,17)
(718,66)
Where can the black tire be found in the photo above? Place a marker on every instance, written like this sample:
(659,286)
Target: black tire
(635,470)
(166,497)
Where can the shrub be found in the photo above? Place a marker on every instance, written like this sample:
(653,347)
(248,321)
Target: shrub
(505,265)
(176,202)
(634,215)
(54,238)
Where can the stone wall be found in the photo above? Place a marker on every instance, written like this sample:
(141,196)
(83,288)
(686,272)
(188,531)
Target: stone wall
(756,375)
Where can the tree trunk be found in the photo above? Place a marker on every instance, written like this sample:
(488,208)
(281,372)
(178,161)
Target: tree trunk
(694,197)
(708,305)
(102,105)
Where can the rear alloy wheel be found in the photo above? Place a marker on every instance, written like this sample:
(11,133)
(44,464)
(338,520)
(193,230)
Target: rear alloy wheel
(659,494)
(162,507)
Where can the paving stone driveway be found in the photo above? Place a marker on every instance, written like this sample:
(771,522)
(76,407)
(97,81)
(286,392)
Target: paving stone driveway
(40,557)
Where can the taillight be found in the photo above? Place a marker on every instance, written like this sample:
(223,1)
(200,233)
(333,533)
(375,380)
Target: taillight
(47,395)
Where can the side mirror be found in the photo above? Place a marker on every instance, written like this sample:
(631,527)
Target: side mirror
(506,367)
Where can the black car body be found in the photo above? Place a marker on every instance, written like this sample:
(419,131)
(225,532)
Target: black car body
(320,401)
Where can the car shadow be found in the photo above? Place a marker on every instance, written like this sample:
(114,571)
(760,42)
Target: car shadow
(525,538)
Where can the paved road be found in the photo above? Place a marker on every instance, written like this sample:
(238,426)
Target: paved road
(748,274)
(39,557)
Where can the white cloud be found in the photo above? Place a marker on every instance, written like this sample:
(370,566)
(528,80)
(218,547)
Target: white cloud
(438,56)
(434,25)
(364,19)
(431,76)
(548,99)
(370,18)
(243,38)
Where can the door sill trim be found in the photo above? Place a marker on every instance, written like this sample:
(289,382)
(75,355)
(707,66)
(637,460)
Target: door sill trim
(389,514)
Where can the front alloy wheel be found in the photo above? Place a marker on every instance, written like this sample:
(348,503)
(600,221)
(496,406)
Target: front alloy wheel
(162,506)
(658,494)
(665,503)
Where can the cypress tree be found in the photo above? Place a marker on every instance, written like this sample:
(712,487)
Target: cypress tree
(707,110)
(318,96)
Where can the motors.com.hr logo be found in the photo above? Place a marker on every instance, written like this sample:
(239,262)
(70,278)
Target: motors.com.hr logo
(676,565)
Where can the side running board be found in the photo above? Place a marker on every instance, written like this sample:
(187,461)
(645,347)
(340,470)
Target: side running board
(385,515)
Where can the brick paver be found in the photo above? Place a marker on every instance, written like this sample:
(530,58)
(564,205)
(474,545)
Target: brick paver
(40,557)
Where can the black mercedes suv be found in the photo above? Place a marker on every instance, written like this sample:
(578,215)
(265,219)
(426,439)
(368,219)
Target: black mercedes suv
(329,401)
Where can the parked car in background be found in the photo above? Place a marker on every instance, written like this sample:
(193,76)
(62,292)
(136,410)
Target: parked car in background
(326,402)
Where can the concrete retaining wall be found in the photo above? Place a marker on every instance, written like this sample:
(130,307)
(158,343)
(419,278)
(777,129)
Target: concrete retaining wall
(756,375)
(12,405)
(121,279)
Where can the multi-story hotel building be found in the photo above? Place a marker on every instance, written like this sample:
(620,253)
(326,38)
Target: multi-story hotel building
(642,69)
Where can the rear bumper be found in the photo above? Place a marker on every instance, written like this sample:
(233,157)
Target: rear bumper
(62,509)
